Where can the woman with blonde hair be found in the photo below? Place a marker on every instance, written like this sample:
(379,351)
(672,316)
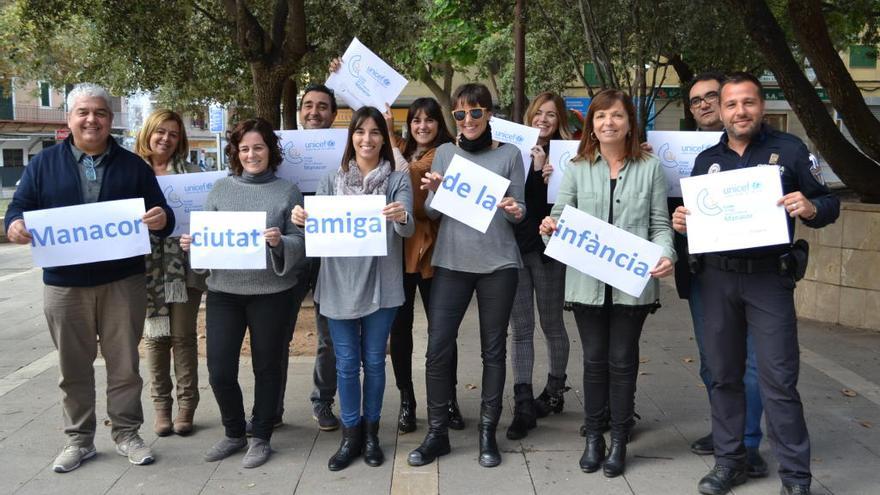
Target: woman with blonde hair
(541,278)
(613,179)
(174,292)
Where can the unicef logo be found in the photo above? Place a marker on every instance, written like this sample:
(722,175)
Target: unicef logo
(292,154)
(520,139)
(354,66)
(706,204)
(563,160)
(667,156)
(756,186)
(331,143)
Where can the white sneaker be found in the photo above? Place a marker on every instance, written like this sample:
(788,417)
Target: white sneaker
(71,457)
(136,450)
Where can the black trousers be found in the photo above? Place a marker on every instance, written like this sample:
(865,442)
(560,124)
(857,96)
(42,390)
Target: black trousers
(450,296)
(610,342)
(763,303)
(268,317)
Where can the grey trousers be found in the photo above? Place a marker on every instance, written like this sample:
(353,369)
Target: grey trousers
(324,374)
(182,347)
(544,282)
(80,317)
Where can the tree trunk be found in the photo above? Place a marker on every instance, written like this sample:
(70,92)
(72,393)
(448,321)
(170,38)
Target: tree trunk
(288,103)
(812,35)
(853,167)
(268,85)
(519,61)
(685,75)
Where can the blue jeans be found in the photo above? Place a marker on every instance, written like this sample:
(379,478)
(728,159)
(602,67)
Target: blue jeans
(355,341)
(754,406)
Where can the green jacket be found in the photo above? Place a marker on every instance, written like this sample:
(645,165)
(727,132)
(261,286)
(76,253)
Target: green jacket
(639,208)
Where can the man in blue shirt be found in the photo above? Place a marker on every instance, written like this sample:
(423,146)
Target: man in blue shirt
(751,291)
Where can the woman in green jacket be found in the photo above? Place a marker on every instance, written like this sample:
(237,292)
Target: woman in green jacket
(613,179)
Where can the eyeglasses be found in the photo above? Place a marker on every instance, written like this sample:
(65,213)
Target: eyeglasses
(710,98)
(476,113)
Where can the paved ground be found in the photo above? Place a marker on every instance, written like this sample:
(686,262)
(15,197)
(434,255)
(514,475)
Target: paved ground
(845,430)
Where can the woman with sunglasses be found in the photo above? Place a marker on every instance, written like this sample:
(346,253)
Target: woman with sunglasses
(360,295)
(541,278)
(426,130)
(613,179)
(467,261)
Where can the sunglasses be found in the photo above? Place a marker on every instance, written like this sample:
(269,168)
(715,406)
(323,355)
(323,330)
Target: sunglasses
(476,113)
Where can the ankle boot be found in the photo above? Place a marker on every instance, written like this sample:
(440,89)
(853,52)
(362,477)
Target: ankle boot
(436,442)
(183,422)
(523,412)
(406,418)
(551,399)
(594,452)
(489,454)
(456,421)
(162,424)
(350,448)
(373,455)
(615,463)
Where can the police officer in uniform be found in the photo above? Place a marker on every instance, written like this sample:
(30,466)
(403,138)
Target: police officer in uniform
(754,288)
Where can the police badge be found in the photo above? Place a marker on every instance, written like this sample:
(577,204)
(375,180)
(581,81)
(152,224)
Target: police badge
(816,170)
(714,168)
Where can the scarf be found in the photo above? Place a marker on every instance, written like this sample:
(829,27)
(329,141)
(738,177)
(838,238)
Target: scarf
(353,183)
(482,142)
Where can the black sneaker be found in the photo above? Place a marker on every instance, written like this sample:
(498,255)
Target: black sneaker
(721,479)
(322,412)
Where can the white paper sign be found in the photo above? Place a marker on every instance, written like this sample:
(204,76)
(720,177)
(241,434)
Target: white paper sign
(339,226)
(186,193)
(470,193)
(560,155)
(310,154)
(603,251)
(365,79)
(677,151)
(734,210)
(102,231)
(231,240)
(521,136)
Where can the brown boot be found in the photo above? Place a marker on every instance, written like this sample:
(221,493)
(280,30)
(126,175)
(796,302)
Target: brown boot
(162,425)
(183,423)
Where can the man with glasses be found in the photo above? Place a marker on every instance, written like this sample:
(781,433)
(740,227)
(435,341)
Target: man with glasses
(103,301)
(704,103)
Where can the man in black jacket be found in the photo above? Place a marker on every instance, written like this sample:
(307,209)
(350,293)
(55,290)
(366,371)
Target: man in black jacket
(103,301)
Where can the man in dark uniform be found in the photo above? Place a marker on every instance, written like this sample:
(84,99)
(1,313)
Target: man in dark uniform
(754,288)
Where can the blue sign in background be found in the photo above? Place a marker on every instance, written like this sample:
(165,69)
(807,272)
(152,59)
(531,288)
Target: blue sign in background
(216,120)
(579,103)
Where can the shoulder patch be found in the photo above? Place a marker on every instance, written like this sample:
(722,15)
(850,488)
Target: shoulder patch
(714,168)
(816,169)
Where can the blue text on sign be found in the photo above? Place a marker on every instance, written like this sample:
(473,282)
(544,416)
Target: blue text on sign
(96,232)
(463,189)
(355,226)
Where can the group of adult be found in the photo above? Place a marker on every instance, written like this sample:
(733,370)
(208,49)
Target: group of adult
(741,302)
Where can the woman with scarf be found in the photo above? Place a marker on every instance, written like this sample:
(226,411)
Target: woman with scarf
(426,130)
(610,321)
(259,301)
(174,292)
(541,278)
(360,295)
(466,261)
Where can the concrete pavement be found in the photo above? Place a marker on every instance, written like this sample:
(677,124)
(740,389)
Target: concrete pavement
(839,381)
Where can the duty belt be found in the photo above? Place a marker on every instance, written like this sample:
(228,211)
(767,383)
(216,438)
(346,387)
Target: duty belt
(742,265)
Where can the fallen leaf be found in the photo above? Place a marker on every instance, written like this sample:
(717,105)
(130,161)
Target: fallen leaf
(849,393)
(251,485)
(470,386)
(866,424)
(687,360)
(107,422)
(644,359)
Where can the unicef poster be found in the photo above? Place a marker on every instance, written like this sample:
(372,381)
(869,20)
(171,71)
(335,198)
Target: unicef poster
(562,152)
(521,136)
(365,79)
(310,154)
(677,151)
(186,193)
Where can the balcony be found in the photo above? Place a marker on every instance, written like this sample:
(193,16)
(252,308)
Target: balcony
(35,114)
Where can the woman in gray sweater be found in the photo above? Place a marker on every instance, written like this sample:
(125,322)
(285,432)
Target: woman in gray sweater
(260,300)
(360,295)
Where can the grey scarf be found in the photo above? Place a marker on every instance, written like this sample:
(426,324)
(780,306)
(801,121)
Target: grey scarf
(353,183)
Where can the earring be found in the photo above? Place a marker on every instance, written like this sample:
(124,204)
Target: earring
(592,136)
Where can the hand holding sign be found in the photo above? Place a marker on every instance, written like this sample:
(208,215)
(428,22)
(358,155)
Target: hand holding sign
(364,79)
(155,218)
(17,233)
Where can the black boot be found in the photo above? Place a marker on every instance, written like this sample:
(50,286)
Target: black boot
(406,418)
(551,399)
(373,455)
(456,422)
(594,452)
(489,455)
(351,447)
(615,463)
(436,442)
(523,412)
